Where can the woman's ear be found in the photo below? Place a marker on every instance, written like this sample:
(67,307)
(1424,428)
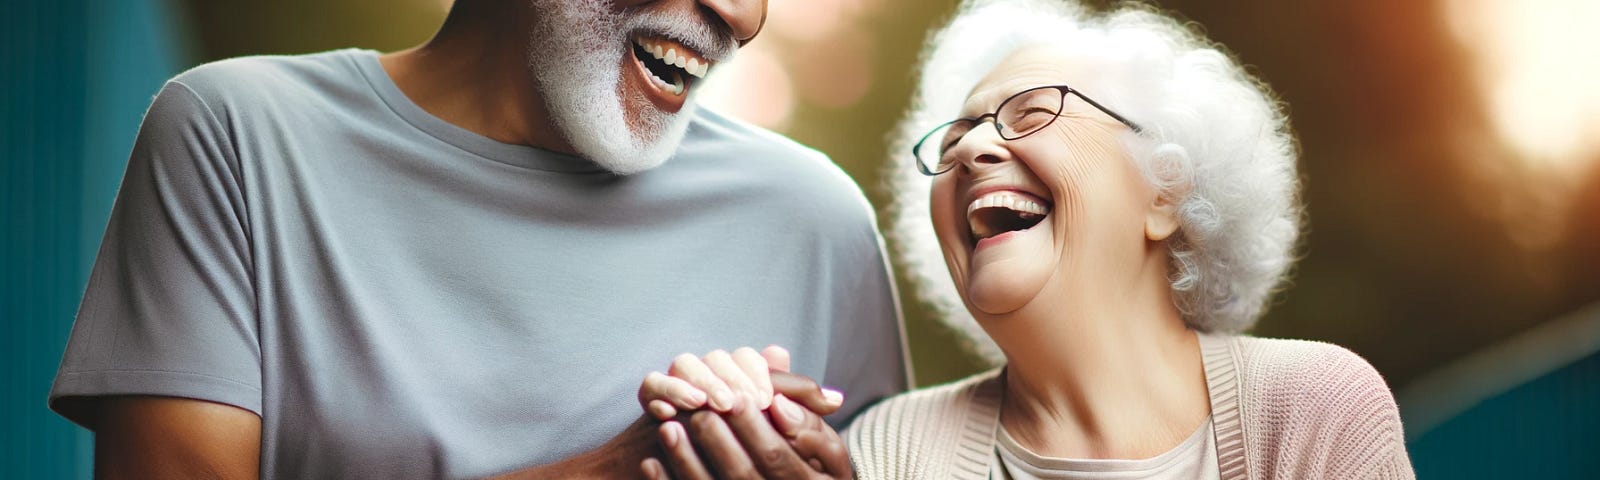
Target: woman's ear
(1169,165)
(1161,219)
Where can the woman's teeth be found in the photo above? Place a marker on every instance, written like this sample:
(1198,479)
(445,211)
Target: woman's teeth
(999,212)
(1010,200)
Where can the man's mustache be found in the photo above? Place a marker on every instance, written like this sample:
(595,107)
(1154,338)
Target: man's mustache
(708,37)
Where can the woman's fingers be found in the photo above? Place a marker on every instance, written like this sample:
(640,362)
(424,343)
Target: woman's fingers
(690,368)
(718,380)
(681,456)
(755,367)
(777,357)
(663,396)
(728,370)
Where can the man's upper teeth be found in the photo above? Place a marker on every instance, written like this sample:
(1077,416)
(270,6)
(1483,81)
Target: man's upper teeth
(670,56)
(1007,199)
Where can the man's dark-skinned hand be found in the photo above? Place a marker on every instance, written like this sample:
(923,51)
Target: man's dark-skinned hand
(617,458)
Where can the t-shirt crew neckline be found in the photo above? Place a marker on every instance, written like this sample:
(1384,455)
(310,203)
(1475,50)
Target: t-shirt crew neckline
(1010,447)
(516,155)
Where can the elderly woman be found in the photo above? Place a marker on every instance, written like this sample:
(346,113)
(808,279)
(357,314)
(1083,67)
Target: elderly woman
(1115,200)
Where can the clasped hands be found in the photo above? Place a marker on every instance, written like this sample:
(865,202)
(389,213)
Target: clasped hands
(741,415)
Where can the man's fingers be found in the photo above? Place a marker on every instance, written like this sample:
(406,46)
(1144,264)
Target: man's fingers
(791,419)
(777,357)
(653,469)
(664,396)
(769,450)
(755,367)
(826,450)
(718,443)
(804,390)
(691,369)
(661,410)
(680,453)
(723,365)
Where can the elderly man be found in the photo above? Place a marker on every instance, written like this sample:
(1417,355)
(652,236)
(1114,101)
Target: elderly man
(457,260)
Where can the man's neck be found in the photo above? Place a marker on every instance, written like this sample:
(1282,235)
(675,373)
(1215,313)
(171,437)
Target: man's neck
(1103,374)
(474,74)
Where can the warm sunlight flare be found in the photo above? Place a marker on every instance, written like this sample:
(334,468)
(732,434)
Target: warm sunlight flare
(1537,63)
(753,87)
(813,54)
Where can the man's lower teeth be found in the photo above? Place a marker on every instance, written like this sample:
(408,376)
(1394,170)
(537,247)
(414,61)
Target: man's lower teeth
(675,88)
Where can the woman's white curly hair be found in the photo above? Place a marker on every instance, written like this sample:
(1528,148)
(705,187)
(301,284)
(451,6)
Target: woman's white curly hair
(1214,140)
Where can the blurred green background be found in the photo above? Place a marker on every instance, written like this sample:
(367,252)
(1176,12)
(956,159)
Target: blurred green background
(1450,165)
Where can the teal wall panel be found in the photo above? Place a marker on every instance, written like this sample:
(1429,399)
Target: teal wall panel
(78,75)
(1546,428)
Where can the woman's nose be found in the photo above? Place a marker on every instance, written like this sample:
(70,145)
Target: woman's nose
(982,147)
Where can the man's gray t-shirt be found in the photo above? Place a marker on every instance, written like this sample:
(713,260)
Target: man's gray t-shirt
(399,297)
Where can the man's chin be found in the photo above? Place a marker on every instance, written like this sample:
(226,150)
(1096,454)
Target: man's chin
(648,139)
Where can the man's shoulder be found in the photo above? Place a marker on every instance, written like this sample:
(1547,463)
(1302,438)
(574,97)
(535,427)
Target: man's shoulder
(766,152)
(270,80)
(713,125)
(777,163)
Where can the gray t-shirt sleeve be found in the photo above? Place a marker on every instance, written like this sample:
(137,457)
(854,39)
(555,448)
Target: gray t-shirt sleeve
(170,308)
(867,356)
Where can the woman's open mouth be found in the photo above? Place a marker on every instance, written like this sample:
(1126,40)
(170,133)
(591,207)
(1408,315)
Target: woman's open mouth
(995,215)
(667,70)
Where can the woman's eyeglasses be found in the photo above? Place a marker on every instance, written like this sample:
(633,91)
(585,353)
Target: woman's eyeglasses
(1018,116)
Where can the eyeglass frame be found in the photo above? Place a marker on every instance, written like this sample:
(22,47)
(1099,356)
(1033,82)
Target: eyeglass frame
(999,129)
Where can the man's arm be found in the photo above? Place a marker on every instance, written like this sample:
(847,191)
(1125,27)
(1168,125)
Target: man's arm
(617,458)
(174,438)
(138,437)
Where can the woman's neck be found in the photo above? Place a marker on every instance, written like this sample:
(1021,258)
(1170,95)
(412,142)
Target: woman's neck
(1115,375)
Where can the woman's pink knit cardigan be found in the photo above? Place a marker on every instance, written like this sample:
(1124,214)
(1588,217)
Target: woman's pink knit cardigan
(1280,409)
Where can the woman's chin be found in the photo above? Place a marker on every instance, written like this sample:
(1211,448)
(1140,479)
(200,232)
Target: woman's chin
(998,293)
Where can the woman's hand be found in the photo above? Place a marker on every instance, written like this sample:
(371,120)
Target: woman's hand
(719,380)
(746,415)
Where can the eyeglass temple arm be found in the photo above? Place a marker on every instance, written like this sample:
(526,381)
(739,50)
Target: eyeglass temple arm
(1120,118)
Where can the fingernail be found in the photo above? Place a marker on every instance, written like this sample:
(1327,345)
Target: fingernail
(722,400)
(669,434)
(697,397)
(833,396)
(788,409)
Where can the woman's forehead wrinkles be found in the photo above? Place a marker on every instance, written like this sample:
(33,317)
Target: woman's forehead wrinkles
(1026,68)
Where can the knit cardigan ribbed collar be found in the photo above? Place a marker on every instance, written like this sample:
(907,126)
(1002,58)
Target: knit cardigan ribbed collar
(1222,381)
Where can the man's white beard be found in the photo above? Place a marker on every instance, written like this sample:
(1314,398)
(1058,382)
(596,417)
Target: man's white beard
(576,52)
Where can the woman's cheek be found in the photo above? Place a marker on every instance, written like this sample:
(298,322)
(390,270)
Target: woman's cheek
(941,204)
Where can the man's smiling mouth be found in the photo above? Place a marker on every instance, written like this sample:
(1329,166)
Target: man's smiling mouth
(670,69)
